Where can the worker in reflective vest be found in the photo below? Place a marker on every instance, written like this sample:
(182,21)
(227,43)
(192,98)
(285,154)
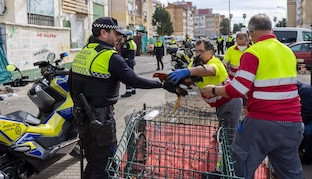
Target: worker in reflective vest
(213,72)
(96,73)
(159,52)
(229,41)
(273,126)
(220,45)
(234,53)
(128,50)
(172,41)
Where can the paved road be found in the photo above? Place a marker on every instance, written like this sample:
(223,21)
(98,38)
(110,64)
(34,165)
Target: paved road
(68,167)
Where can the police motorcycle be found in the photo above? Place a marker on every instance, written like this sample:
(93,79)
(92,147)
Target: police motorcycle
(181,58)
(29,144)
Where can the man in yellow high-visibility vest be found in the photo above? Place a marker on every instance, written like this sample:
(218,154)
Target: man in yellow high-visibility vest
(234,53)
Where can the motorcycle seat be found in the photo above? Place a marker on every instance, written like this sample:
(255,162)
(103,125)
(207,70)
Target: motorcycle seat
(24,117)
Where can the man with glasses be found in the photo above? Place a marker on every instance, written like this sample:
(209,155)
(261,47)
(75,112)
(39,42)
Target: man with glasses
(273,126)
(213,72)
(96,73)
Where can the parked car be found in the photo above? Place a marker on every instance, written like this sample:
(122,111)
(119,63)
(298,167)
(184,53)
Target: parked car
(289,35)
(302,50)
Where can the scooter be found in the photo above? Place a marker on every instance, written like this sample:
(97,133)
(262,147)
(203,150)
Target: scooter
(29,144)
(181,60)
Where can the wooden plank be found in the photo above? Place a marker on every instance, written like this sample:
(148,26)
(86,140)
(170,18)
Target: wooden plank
(68,11)
(75,10)
(76,3)
(75,6)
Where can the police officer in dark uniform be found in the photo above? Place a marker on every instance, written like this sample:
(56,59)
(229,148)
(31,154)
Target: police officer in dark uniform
(187,42)
(128,50)
(230,41)
(159,51)
(220,45)
(305,93)
(96,73)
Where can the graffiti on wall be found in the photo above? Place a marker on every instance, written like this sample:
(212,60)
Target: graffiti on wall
(12,32)
(21,47)
(48,35)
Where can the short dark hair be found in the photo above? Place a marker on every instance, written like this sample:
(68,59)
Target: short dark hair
(241,35)
(208,45)
(260,22)
(97,31)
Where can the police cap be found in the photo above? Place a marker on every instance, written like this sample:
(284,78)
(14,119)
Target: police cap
(105,23)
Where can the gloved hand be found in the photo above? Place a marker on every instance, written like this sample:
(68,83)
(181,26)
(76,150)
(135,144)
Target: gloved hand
(169,86)
(178,74)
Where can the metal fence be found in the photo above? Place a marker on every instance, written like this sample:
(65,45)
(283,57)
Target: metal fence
(40,19)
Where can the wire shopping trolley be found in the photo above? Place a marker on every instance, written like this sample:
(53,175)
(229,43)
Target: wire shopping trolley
(160,143)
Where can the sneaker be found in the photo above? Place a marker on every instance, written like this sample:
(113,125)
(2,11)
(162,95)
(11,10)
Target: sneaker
(126,95)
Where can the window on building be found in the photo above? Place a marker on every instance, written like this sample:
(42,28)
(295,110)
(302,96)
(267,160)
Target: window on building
(130,8)
(145,15)
(40,12)
(98,11)
(78,34)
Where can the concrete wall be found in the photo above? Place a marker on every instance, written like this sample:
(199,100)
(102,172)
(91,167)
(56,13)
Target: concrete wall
(120,12)
(291,13)
(9,14)
(22,41)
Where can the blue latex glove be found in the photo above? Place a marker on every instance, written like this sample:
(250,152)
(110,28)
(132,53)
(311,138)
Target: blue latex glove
(177,75)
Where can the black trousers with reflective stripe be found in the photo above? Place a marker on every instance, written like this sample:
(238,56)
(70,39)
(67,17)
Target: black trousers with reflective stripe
(131,64)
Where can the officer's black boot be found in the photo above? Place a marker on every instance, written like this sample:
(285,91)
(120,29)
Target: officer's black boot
(133,91)
(127,94)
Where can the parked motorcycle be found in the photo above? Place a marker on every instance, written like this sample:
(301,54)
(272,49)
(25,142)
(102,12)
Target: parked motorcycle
(29,144)
(181,59)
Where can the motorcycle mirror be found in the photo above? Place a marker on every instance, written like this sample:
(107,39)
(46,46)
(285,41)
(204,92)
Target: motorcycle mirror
(11,67)
(51,57)
(64,54)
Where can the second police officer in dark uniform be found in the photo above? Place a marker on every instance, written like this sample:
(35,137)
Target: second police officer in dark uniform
(128,50)
(96,73)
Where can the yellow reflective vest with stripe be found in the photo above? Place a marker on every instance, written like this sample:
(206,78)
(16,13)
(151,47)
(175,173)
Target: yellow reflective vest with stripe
(91,76)
(133,45)
(277,66)
(221,74)
(88,62)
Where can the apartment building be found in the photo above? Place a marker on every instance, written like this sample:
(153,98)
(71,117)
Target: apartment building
(303,13)
(206,23)
(291,13)
(182,18)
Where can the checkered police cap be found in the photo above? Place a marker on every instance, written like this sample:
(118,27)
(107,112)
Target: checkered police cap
(106,23)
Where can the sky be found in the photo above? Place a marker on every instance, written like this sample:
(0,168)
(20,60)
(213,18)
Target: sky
(273,8)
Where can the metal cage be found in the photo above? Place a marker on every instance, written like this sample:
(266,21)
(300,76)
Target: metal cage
(179,144)
(162,143)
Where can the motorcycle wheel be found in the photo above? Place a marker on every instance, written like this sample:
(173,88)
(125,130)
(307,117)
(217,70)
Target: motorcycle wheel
(76,151)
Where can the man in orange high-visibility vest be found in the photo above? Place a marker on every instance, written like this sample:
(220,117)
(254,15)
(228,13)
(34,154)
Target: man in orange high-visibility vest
(273,126)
